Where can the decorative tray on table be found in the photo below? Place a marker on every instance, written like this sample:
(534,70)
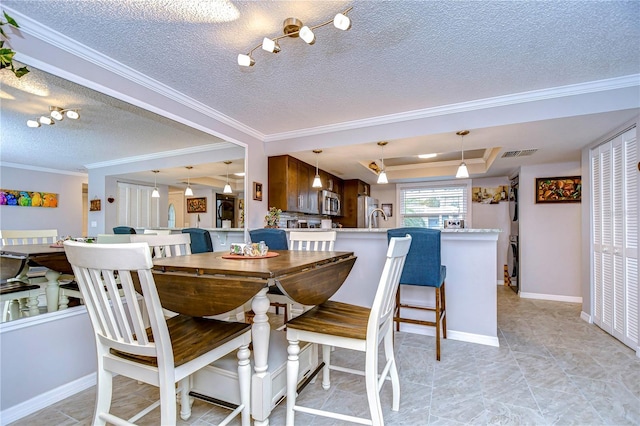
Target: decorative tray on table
(242,256)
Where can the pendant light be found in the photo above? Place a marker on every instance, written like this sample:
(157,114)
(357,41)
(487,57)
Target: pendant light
(155,193)
(188,192)
(317,183)
(462,169)
(227,187)
(382,177)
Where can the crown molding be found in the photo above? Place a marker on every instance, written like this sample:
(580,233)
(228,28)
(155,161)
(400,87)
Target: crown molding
(626,81)
(42,169)
(41,32)
(164,154)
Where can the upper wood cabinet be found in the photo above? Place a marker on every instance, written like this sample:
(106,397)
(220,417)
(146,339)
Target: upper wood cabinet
(352,189)
(290,183)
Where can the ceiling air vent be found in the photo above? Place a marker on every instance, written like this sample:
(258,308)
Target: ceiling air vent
(523,153)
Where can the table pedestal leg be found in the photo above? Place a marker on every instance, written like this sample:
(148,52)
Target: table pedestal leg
(53,290)
(261,381)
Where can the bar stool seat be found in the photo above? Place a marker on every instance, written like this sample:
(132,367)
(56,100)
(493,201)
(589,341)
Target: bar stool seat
(423,268)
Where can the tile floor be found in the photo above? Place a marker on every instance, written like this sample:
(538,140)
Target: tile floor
(551,368)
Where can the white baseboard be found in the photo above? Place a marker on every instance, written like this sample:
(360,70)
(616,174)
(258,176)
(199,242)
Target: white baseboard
(586,317)
(451,334)
(46,399)
(554,297)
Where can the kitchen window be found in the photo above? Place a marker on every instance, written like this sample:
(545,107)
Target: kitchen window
(429,204)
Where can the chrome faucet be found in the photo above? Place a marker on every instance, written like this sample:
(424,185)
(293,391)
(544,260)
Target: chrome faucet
(384,215)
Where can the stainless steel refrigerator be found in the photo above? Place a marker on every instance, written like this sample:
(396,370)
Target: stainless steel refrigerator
(365,207)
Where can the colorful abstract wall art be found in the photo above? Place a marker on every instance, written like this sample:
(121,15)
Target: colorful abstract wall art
(12,197)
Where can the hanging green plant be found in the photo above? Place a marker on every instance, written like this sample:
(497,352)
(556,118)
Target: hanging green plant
(6,54)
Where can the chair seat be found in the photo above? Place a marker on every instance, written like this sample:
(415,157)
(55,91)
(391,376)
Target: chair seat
(192,337)
(335,318)
(435,283)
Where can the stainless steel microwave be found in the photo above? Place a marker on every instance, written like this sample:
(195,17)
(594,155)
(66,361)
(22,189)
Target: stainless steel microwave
(330,204)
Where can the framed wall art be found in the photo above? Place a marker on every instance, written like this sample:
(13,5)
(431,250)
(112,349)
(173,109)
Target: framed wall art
(21,198)
(388,209)
(257,191)
(94,205)
(197,205)
(559,189)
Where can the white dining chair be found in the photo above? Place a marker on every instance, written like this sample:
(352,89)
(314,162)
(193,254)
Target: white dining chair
(165,354)
(356,328)
(12,237)
(306,241)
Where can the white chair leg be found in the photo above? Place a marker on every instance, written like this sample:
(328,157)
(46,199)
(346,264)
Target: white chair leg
(168,406)
(395,379)
(103,397)
(371,380)
(185,399)
(244,381)
(326,371)
(293,364)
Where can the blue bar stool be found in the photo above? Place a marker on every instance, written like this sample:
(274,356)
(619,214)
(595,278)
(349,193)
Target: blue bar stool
(124,230)
(423,268)
(200,240)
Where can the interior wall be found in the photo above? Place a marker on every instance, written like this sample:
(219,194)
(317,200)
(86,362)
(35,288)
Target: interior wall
(386,194)
(66,218)
(494,216)
(550,237)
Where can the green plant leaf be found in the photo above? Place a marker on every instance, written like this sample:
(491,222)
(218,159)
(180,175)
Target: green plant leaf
(10,20)
(21,71)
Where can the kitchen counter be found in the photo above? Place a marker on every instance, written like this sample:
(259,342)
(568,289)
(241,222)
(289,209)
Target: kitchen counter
(384,230)
(470,256)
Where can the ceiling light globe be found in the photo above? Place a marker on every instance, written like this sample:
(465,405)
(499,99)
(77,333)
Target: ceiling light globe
(155,193)
(33,123)
(317,183)
(227,189)
(188,192)
(245,60)
(462,171)
(382,177)
(307,35)
(57,115)
(342,22)
(46,120)
(270,45)
(73,114)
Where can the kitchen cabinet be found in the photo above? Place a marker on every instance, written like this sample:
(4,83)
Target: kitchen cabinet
(290,183)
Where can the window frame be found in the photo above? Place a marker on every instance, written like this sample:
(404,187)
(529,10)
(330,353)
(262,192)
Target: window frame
(465,183)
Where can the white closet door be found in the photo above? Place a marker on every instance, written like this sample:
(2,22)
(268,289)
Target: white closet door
(136,207)
(615,237)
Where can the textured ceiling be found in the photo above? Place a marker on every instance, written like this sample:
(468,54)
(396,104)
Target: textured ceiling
(399,56)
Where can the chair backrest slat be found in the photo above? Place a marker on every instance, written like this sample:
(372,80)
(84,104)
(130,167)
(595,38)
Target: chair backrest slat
(382,309)
(12,237)
(165,245)
(100,269)
(312,241)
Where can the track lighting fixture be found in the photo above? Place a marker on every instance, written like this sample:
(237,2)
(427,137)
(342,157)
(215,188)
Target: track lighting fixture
(155,193)
(317,183)
(227,187)
(293,27)
(55,114)
(382,177)
(188,192)
(462,169)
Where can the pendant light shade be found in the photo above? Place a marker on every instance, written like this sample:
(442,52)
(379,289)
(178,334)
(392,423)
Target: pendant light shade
(227,187)
(462,172)
(155,193)
(382,177)
(317,183)
(188,192)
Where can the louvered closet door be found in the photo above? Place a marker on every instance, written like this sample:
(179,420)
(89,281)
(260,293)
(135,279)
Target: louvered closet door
(615,237)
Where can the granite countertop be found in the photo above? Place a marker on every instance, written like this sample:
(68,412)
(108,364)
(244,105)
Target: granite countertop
(378,230)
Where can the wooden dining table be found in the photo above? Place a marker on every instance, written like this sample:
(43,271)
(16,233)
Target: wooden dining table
(208,284)
(50,256)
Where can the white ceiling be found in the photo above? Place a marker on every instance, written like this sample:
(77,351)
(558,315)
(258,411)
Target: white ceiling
(413,72)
